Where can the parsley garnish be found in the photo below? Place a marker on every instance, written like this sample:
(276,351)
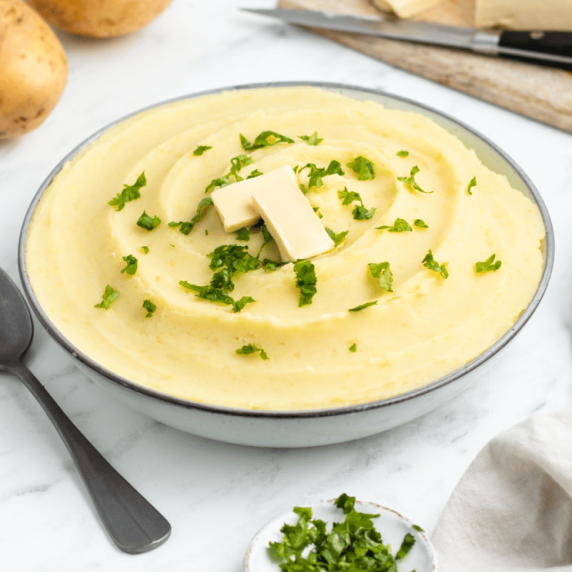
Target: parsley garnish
(489,265)
(359,211)
(337,238)
(131,262)
(418,222)
(272,265)
(145,249)
(363,306)
(403,153)
(201,149)
(186,227)
(317,173)
(418,528)
(306,280)
(129,193)
(237,163)
(148,223)
(240,304)
(399,225)
(267,238)
(265,139)
(353,545)
(255,173)
(208,293)
(383,272)
(472,183)
(108,297)
(411,180)
(251,349)
(243,234)
(363,168)
(353,348)
(220,182)
(317,211)
(150,307)
(432,264)
(311,139)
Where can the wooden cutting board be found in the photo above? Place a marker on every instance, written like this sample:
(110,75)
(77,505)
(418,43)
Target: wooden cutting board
(541,93)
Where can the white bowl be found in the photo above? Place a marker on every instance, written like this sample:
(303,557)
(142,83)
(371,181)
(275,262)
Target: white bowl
(313,427)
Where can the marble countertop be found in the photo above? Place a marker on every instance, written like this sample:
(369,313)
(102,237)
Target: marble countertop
(215,495)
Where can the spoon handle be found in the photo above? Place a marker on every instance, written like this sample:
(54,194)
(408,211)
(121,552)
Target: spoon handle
(132,522)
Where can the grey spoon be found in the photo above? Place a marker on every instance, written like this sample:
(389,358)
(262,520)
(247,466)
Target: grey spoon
(132,522)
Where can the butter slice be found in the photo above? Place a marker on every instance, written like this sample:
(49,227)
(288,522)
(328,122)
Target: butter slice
(524,14)
(234,202)
(407,8)
(290,218)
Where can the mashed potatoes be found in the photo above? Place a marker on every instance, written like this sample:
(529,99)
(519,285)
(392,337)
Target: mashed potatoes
(426,327)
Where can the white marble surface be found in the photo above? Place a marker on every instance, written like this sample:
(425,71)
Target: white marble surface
(217,496)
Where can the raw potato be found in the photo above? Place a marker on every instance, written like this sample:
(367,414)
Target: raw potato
(33,69)
(100,18)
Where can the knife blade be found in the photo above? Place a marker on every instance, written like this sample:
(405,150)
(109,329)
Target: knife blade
(551,48)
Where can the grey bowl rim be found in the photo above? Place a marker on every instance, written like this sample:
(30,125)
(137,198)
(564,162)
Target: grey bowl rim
(286,414)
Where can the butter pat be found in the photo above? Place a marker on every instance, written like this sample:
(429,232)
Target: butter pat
(234,202)
(524,15)
(407,8)
(289,217)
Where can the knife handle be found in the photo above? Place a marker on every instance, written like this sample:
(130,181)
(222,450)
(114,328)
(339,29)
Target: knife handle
(552,49)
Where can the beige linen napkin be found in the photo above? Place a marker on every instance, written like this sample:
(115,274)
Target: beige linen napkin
(512,510)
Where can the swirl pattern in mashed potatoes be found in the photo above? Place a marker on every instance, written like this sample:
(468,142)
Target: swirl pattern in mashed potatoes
(427,327)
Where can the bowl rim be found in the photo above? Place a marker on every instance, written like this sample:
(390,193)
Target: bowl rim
(475,363)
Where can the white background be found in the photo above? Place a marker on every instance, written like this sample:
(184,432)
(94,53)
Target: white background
(217,496)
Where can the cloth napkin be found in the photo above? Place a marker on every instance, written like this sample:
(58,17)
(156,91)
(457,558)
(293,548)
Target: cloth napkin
(512,509)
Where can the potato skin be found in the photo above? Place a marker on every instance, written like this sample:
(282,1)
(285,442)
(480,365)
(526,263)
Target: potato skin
(100,18)
(33,69)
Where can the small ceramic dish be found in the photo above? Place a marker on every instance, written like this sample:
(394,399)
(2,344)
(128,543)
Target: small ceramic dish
(390,524)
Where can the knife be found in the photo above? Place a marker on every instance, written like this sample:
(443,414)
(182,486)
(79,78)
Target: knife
(553,48)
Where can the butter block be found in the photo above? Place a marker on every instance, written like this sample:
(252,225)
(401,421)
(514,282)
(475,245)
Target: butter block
(524,14)
(291,219)
(406,8)
(234,202)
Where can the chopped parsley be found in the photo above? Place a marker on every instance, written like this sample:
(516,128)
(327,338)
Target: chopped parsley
(363,168)
(419,223)
(353,545)
(150,307)
(306,280)
(403,153)
(240,304)
(432,264)
(220,182)
(472,183)
(318,173)
(243,234)
(255,173)
(265,139)
(272,265)
(411,180)
(131,262)
(363,306)
(317,211)
(201,149)
(208,293)
(383,272)
(145,249)
(399,225)
(353,348)
(148,223)
(109,296)
(251,349)
(337,238)
(267,238)
(237,163)
(489,265)
(186,227)
(417,528)
(311,139)
(359,212)
(129,193)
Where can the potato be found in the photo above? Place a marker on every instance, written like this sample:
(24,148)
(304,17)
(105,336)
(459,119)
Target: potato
(33,69)
(99,18)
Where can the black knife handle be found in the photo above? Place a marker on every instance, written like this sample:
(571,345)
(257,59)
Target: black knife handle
(537,46)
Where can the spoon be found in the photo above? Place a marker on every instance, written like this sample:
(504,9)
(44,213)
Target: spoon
(131,521)
(392,526)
